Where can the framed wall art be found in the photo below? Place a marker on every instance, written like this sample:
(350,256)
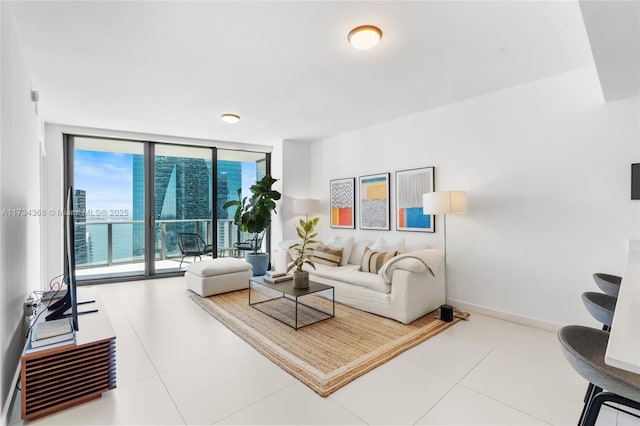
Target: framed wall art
(342,196)
(410,185)
(374,202)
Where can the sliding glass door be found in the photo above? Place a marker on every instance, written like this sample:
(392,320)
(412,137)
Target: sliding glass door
(139,200)
(183,193)
(108,184)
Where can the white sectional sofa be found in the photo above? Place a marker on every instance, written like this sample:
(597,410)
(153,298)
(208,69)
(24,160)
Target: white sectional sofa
(405,288)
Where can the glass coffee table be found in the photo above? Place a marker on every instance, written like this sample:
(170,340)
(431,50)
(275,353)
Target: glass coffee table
(295,307)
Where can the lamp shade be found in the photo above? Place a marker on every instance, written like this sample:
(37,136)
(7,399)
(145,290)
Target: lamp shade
(304,206)
(444,202)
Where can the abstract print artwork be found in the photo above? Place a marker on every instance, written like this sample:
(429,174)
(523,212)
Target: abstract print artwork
(374,202)
(342,195)
(410,185)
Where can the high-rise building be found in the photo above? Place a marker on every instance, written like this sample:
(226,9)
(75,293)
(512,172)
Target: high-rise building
(229,176)
(82,249)
(180,194)
(138,205)
(261,168)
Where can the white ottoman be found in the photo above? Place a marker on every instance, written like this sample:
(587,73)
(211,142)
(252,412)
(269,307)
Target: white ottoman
(217,276)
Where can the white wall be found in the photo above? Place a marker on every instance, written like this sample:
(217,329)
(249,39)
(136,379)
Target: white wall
(19,189)
(296,180)
(276,171)
(547,170)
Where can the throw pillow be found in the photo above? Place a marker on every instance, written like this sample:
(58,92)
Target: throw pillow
(373,260)
(345,243)
(381,245)
(325,255)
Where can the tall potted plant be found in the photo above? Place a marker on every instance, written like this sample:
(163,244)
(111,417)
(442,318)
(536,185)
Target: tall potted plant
(253,215)
(306,232)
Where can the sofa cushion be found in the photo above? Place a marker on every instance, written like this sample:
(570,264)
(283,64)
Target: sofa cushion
(411,247)
(351,275)
(285,246)
(381,245)
(358,251)
(373,260)
(326,255)
(345,243)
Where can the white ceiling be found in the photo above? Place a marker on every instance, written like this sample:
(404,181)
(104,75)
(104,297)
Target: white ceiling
(173,67)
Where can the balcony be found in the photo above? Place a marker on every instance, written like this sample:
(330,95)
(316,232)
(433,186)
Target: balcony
(109,249)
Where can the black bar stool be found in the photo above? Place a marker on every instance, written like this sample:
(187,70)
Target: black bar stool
(600,306)
(584,348)
(610,284)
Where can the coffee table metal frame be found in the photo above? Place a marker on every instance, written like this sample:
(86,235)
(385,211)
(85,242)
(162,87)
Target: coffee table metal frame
(287,291)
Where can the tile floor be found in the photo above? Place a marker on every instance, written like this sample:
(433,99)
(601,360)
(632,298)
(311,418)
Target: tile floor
(178,365)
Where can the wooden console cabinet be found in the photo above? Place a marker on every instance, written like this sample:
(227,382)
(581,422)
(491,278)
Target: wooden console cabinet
(60,377)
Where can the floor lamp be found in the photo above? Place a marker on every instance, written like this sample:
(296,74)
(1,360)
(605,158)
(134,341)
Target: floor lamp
(444,203)
(305,206)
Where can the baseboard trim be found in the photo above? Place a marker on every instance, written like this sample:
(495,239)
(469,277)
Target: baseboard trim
(507,316)
(7,404)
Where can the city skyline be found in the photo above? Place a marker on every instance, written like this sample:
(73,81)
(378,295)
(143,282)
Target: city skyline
(107,178)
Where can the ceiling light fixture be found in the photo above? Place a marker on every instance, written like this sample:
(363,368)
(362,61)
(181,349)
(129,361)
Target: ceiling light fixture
(365,37)
(230,118)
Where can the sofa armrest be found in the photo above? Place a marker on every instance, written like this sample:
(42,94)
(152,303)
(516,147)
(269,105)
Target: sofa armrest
(418,262)
(415,294)
(409,264)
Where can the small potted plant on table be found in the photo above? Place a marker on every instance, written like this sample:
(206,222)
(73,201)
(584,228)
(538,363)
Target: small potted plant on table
(306,232)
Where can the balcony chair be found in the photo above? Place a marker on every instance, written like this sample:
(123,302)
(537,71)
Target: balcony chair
(247,243)
(193,245)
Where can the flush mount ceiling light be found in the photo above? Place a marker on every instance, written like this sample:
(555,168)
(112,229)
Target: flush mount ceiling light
(230,118)
(365,37)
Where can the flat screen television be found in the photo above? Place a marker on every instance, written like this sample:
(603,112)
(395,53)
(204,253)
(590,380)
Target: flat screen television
(67,306)
(635,181)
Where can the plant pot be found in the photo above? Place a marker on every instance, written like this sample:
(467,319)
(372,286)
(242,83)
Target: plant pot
(300,279)
(259,262)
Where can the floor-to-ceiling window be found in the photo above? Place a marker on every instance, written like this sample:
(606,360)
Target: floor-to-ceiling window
(136,198)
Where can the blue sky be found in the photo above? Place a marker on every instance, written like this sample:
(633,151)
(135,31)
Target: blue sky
(107,177)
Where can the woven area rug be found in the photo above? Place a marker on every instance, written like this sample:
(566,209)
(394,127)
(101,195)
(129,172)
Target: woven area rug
(328,354)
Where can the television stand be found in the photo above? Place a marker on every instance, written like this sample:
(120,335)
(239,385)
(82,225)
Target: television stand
(92,311)
(56,378)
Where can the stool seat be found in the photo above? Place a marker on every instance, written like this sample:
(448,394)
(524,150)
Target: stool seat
(610,284)
(584,348)
(601,306)
(216,276)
